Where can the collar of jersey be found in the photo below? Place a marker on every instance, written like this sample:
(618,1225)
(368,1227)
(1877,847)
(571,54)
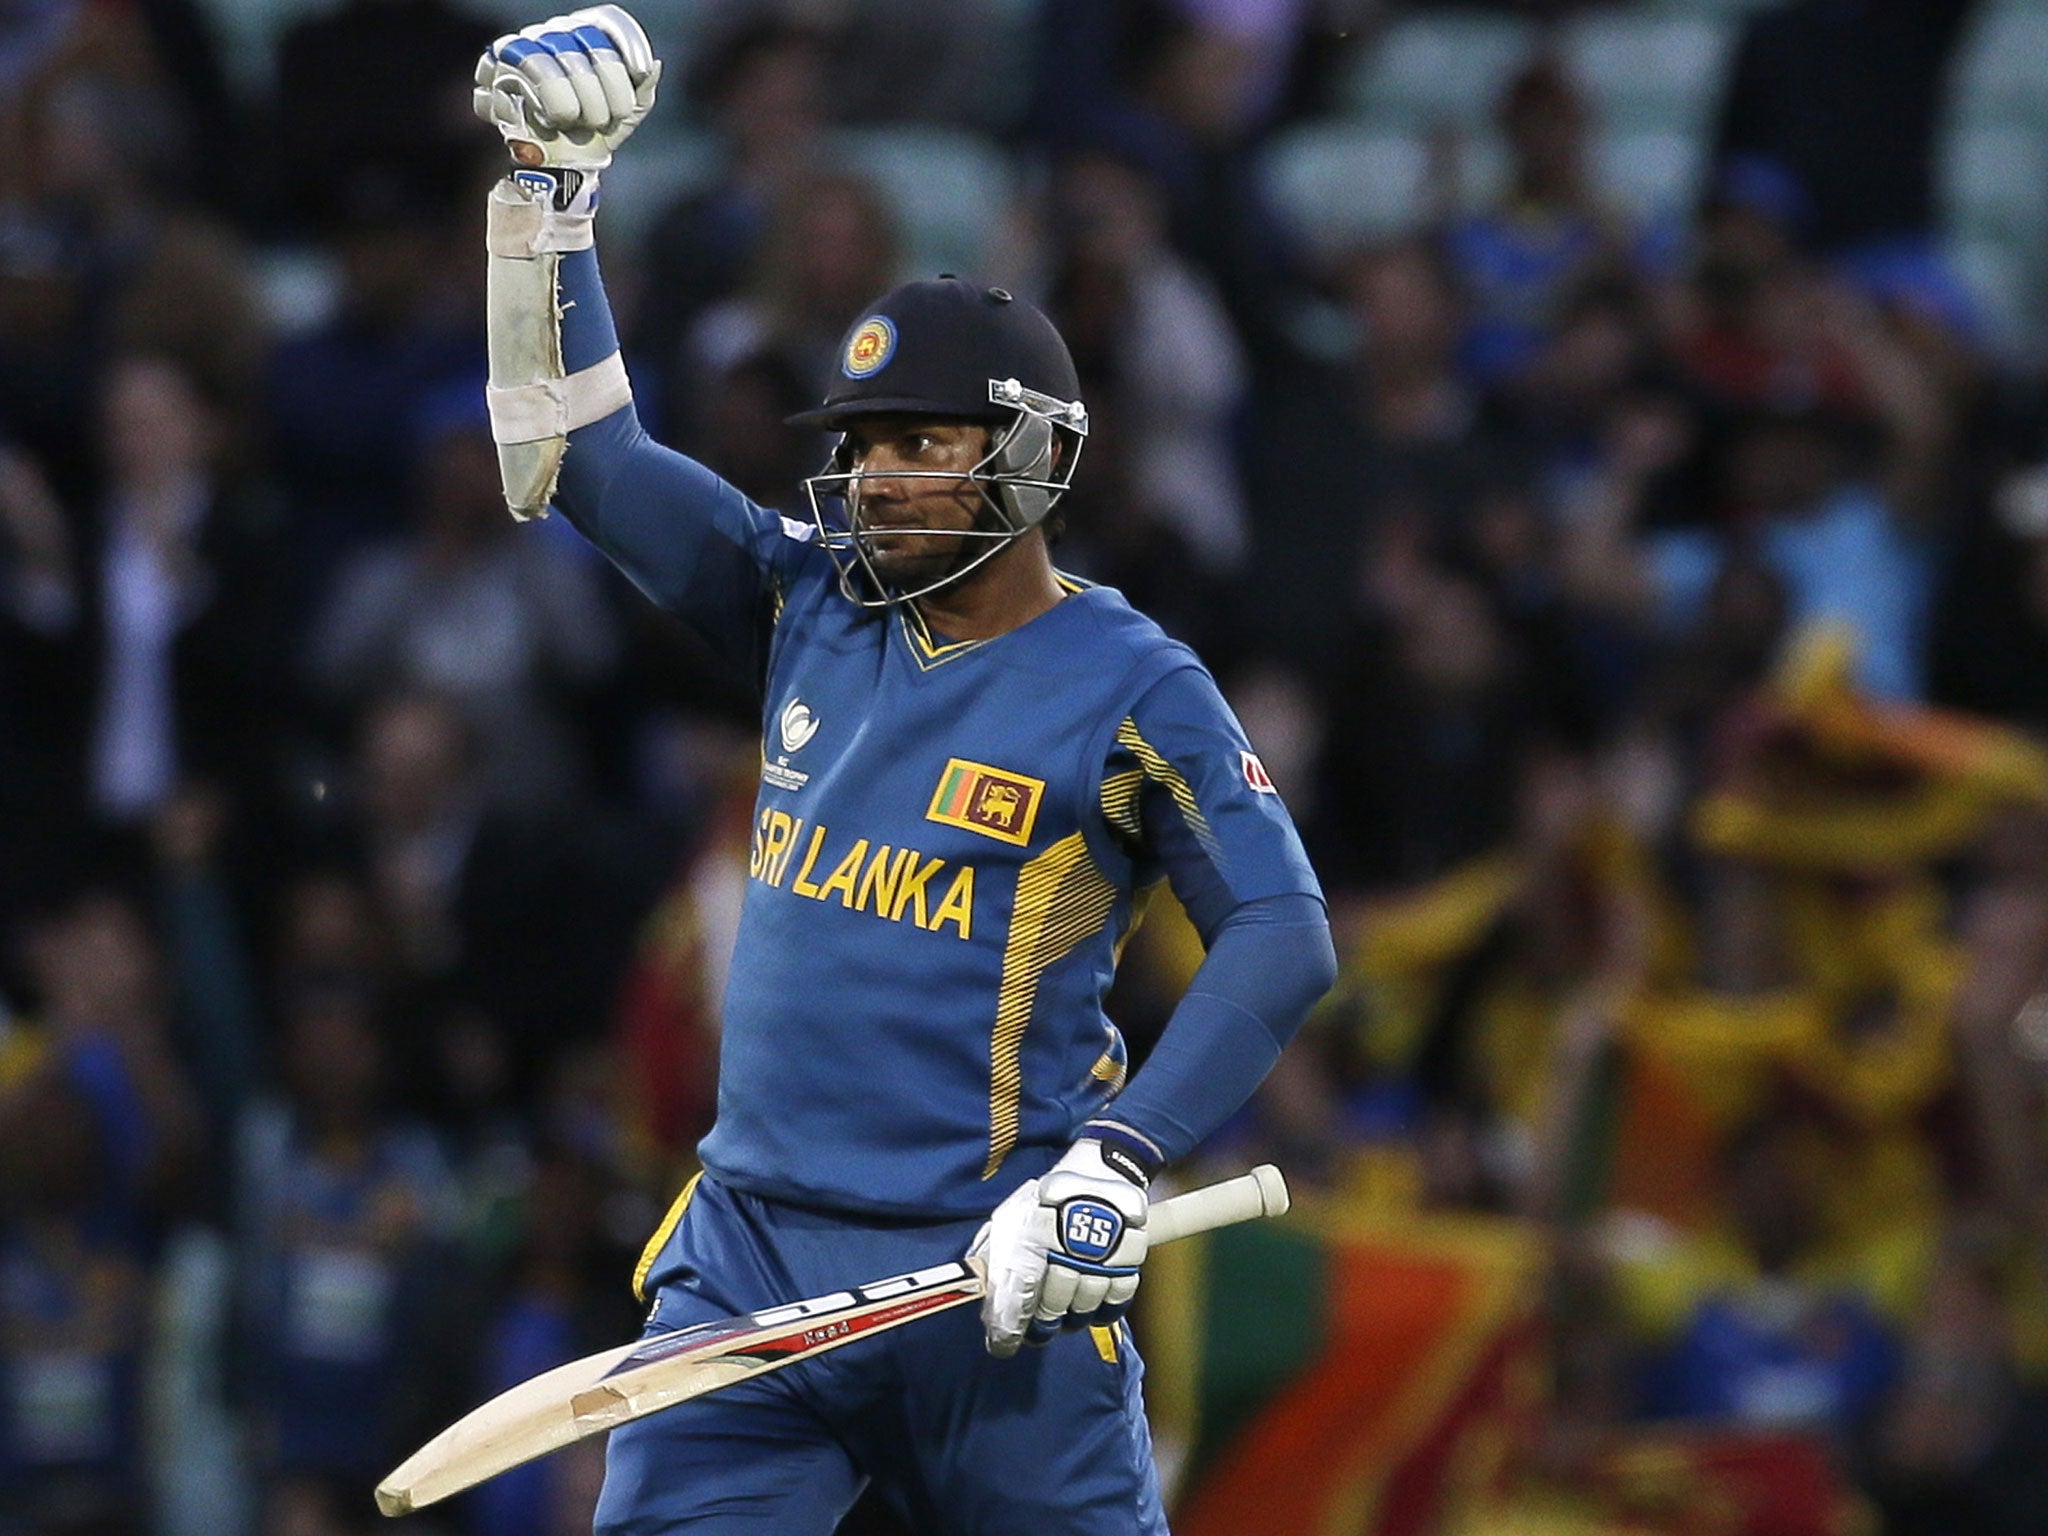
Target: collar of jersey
(929,651)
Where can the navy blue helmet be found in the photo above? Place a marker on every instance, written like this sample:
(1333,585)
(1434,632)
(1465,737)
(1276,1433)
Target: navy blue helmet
(951,350)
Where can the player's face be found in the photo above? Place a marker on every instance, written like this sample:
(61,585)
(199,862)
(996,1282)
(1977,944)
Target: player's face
(914,478)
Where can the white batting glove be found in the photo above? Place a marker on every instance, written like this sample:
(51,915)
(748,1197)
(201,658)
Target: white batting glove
(1063,1251)
(568,91)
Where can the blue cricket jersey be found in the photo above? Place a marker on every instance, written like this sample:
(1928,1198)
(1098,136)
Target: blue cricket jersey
(950,843)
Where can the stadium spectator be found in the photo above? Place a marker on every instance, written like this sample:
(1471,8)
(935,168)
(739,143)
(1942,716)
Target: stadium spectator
(1389,432)
(1518,262)
(177,612)
(73,1315)
(831,238)
(103,1007)
(1183,90)
(1774,1344)
(515,630)
(345,1218)
(555,1307)
(1155,348)
(342,401)
(141,638)
(38,587)
(1426,715)
(105,247)
(530,920)
(761,86)
(1791,494)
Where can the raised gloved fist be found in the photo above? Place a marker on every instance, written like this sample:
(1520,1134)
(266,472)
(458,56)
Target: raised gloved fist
(1063,1251)
(568,91)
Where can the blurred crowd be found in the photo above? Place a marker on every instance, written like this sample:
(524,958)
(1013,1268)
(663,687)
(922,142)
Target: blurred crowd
(1645,617)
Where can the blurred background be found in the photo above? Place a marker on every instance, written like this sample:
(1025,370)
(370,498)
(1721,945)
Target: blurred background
(1601,449)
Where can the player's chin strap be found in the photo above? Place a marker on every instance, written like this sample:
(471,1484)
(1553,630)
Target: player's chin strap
(536,216)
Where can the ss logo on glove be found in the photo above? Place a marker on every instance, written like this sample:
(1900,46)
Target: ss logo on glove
(1089,1229)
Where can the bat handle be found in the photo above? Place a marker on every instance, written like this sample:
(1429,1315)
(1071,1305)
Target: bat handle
(1262,1192)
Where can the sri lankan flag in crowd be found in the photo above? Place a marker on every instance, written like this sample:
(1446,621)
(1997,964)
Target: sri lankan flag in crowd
(1366,1377)
(1345,1374)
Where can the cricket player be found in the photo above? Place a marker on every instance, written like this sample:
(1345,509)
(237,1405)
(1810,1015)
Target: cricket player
(973,768)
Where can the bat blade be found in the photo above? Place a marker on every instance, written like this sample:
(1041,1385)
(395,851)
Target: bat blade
(587,1396)
(598,1392)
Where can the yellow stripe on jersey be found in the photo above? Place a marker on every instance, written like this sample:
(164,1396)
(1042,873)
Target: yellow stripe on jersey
(1105,1343)
(1163,773)
(661,1236)
(1120,802)
(1109,1070)
(1062,898)
(926,651)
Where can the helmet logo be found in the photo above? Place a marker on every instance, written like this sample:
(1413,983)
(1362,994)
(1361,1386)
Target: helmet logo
(869,348)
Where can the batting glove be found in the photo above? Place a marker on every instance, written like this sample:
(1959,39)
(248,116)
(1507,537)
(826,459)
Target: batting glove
(568,91)
(1063,1251)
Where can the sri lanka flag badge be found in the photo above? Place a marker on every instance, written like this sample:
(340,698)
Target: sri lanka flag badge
(987,800)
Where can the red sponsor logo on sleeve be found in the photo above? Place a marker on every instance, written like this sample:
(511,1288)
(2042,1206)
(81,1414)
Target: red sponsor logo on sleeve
(1255,774)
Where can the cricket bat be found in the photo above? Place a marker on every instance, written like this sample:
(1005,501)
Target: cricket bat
(593,1394)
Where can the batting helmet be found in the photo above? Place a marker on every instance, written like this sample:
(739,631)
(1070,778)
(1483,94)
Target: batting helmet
(948,349)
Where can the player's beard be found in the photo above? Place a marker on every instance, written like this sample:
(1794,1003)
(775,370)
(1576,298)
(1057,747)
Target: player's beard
(917,560)
(920,555)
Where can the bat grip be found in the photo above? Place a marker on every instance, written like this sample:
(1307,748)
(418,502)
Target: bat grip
(1262,1192)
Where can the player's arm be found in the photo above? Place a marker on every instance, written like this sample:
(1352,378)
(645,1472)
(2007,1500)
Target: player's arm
(1207,815)
(1065,1249)
(565,93)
